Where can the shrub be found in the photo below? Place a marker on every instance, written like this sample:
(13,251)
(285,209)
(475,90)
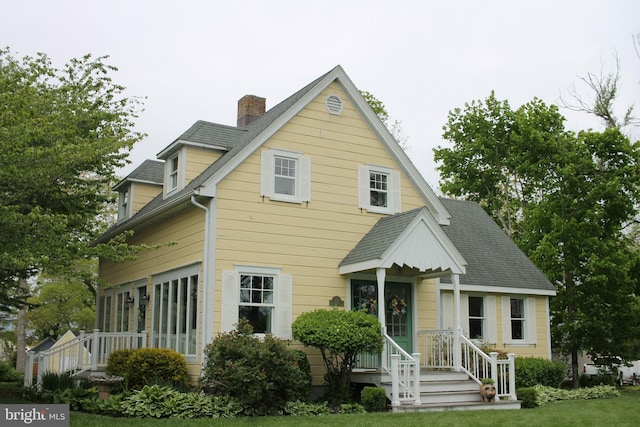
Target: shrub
(374,399)
(52,381)
(546,394)
(148,365)
(8,373)
(352,408)
(149,402)
(299,408)
(340,336)
(117,363)
(602,379)
(528,397)
(531,371)
(261,374)
(192,405)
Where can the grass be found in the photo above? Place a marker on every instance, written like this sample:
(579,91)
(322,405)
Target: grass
(621,411)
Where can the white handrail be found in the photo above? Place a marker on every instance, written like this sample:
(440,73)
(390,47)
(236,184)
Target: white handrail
(84,353)
(405,372)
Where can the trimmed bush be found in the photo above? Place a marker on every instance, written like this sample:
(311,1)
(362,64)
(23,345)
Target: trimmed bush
(340,336)
(528,397)
(531,371)
(374,399)
(262,374)
(156,365)
(117,363)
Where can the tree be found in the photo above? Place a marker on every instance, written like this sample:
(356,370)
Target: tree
(63,134)
(570,197)
(60,304)
(395,127)
(340,336)
(604,87)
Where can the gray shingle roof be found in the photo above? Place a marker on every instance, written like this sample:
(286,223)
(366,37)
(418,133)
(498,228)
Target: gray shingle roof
(382,235)
(493,258)
(213,134)
(151,171)
(205,132)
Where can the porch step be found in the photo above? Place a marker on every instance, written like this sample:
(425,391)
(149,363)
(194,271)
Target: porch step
(440,391)
(466,406)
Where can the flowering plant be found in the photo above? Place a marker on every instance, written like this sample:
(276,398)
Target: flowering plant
(397,305)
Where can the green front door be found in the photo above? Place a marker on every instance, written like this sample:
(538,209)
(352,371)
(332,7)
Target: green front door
(397,297)
(396,306)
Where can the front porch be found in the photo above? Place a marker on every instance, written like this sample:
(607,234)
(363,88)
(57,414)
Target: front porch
(431,380)
(86,354)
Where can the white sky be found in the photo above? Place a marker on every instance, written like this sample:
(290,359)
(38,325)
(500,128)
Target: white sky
(194,59)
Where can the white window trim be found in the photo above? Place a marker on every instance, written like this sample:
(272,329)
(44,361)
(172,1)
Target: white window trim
(303,176)
(489,323)
(180,173)
(393,190)
(124,203)
(282,284)
(169,276)
(530,333)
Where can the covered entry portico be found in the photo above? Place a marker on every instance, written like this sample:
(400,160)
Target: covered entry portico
(412,246)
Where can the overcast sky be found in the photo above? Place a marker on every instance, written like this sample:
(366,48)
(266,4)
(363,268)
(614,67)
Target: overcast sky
(194,59)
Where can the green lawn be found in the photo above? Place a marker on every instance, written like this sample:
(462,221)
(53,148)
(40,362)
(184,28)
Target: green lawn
(621,411)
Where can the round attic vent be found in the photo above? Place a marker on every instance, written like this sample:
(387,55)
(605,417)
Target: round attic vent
(333,104)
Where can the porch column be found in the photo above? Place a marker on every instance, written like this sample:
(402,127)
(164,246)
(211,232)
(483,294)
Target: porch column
(380,276)
(457,349)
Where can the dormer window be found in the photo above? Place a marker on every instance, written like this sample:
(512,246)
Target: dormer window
(173,173)
(123,204)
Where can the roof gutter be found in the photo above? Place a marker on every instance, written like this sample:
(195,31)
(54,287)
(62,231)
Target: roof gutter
(137,220)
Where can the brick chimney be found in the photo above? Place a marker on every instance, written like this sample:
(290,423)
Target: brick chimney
(250,107)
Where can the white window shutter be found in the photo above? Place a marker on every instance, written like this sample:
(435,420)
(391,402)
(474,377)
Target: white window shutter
(285,306)
(230,299)
(363,187)
(266,176)
(491,332)
(464,313)
(447,310)
(305,179)
(396,202)
(530,320)
(506,319)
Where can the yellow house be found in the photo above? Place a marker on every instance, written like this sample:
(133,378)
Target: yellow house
(313,204)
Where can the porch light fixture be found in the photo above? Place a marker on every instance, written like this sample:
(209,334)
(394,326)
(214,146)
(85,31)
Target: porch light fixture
(129,301)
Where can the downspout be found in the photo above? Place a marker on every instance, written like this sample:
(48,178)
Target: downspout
(207,324)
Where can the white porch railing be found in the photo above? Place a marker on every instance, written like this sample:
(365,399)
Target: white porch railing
(405,372)
(437,346)
(87,352)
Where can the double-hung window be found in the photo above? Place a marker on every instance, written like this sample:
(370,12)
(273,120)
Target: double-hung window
(285,176)
(172,181)
(262,295)
(379,189)
(257,301)
(517,319)
(123,204)
(476,317)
